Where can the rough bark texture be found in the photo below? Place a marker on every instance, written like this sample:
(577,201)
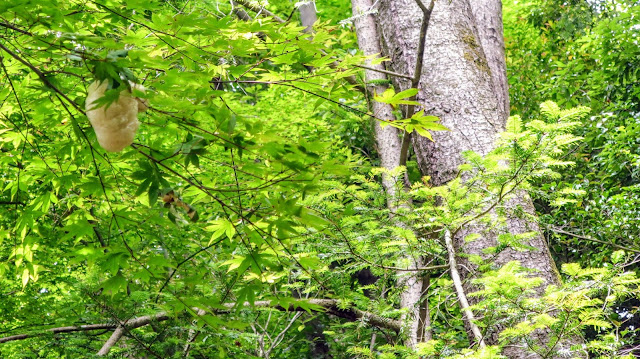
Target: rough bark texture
(488,18)
(463,83)
(456,81)
(389,144)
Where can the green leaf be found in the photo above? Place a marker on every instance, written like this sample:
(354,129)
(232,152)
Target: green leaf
(220,227)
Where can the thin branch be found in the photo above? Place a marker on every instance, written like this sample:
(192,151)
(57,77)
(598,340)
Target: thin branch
(591,239)
(329,306)
(390,73)
(193,334)
(173,272)
(41,75)
(155,31)
(70,329)
(12,27)
(374,264)
(406,139)
(462,297)
(260,10)
(264,12)
(278,339)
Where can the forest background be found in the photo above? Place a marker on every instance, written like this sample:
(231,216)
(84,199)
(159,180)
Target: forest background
(251,217)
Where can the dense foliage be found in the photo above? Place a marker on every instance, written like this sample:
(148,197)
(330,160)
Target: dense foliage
(247,219)
(585,54)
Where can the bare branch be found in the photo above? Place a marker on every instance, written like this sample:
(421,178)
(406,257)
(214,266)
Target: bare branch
(260,10)
(591,239)
(406,139)
(390,73)
(113,339)
(329,306)
(462,297)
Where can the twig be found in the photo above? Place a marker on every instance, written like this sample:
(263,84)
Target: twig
(262,11)
(587,238)
(390,73)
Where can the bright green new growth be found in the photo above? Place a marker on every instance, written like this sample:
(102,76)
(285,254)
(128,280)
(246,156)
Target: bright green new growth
(249,197)
(587,298)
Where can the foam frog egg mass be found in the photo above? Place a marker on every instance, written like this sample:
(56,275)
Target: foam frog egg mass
(115,124)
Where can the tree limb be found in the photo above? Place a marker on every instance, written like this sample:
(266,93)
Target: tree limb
(80,328)
(462,297)
(241,14)
(329,306)
(113,339)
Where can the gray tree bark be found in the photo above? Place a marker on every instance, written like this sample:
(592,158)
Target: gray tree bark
(388,146)
(308,15)
(463,83)
(488,18)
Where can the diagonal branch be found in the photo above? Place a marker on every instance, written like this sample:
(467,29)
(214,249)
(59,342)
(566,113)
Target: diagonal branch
(260,10)
(462,297)
(329,306)
(386,72)
(40,75)
(113,340)
(591,239)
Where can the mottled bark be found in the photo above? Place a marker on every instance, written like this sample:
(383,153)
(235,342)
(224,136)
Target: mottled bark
(464,84)
(389,144)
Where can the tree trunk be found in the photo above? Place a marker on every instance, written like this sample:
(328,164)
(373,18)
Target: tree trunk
(308,15)
(463,83)
(488,17)
(388,146)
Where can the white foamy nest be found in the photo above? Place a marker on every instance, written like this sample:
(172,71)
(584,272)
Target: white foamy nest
(115,125)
